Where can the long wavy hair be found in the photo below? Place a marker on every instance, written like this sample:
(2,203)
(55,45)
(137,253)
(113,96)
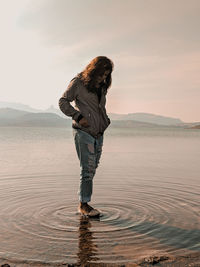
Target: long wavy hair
(93,70)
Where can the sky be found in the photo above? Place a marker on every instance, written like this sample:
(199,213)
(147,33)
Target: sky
(154,45)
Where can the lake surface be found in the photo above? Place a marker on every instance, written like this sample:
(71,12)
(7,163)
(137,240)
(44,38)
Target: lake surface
(147,187)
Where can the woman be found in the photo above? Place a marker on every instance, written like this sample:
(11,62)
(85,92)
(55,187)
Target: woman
(89,121)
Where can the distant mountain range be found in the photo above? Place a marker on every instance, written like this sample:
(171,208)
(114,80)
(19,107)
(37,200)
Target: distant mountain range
(16,114)
(14,117)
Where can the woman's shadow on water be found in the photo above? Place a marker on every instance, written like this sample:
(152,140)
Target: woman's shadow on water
(87,249)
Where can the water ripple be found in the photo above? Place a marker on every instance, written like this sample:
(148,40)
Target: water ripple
(41,213)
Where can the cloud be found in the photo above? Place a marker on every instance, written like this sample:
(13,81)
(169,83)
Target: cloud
(149,26)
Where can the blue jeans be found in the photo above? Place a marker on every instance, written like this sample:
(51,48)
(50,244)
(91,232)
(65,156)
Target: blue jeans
(89,151)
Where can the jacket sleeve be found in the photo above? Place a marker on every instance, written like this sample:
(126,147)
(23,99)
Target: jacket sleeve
(68,96)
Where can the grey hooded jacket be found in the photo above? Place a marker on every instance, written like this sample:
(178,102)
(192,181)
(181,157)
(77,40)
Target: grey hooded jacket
(86,105)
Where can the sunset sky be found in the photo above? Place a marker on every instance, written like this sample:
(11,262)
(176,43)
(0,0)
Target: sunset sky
(154,44)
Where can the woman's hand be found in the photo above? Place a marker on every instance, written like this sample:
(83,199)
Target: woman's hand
(83,122)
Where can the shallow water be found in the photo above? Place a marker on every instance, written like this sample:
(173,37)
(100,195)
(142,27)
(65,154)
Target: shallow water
(146,186)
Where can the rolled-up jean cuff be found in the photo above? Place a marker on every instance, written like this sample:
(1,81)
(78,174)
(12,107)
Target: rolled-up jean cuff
(84,200)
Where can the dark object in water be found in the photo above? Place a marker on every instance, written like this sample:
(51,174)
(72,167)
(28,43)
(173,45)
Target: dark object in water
(155,259)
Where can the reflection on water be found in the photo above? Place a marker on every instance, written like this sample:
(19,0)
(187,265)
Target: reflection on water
(87,250)
(146,187)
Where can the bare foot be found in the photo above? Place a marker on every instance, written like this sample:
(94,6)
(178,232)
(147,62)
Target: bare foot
(86,209)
